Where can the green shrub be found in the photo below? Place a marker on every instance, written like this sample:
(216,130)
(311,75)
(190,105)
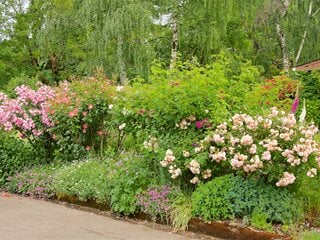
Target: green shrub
(232,196)
(15,155)
(308,192)
(259,219)
(36,182)
(127,176)
(85,180)
(210,200)
(311,92)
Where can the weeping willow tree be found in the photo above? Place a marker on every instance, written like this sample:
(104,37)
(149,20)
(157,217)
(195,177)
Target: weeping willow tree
(118,35)
(61,41)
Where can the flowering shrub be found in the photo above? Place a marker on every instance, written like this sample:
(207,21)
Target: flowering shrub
(155,202)
(82,112)
(275,147)
(28,114)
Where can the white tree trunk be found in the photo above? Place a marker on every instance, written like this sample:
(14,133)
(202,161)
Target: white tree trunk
(304,37)
(283,47)
(174,41)
(282,37)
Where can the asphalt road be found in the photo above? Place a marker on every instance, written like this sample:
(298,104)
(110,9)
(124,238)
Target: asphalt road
(30,219)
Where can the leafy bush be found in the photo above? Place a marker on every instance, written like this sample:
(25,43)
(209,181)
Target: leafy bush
(127,176)
(308,192)
(85,180)
(229,196)
(311,92)
(36,182)
(15,155)
(279,92)
(81,110)
(175,99)
(210,201)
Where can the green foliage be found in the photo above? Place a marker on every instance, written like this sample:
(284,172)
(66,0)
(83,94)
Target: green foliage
(260,220)
(36,182)
(229,196)
(181,212)
(210,200)
(127,175)
(18,81)
(191,90)
(276,92)
(15,155)
(311,92)
(310,235)
(308,192)
(85,180)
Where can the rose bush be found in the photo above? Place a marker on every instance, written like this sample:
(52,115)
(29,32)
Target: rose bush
(274,147)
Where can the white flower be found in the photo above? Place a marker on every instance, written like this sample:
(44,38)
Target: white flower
(186,154)
(206,111)
(122,126)
(110,106)
(304,112)
(119,88)
(194,180)
(197,149)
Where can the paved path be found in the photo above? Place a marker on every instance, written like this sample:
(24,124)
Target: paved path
(30,219)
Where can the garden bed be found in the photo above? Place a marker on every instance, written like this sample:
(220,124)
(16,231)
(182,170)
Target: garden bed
(221,229)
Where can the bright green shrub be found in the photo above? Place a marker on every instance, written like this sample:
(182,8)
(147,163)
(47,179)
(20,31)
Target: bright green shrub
(15,155)
(85,180)
(175,99)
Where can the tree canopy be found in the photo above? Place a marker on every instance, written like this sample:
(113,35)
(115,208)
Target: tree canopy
(54,40)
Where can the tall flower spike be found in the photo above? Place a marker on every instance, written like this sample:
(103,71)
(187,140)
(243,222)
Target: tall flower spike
(304,112)
(295,105)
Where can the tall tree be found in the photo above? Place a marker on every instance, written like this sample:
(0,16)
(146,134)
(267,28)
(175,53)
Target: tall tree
(118,33)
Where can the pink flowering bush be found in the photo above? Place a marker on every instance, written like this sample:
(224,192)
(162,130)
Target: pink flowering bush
(156,202)
(274,147)
(28,114)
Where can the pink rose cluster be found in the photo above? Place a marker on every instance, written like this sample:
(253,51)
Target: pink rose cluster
(28,112)
(262,143)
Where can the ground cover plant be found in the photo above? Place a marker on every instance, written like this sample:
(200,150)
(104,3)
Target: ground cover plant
(85,180)
(35,182)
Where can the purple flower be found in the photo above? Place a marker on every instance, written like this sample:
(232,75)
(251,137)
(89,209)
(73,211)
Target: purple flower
(295,105)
